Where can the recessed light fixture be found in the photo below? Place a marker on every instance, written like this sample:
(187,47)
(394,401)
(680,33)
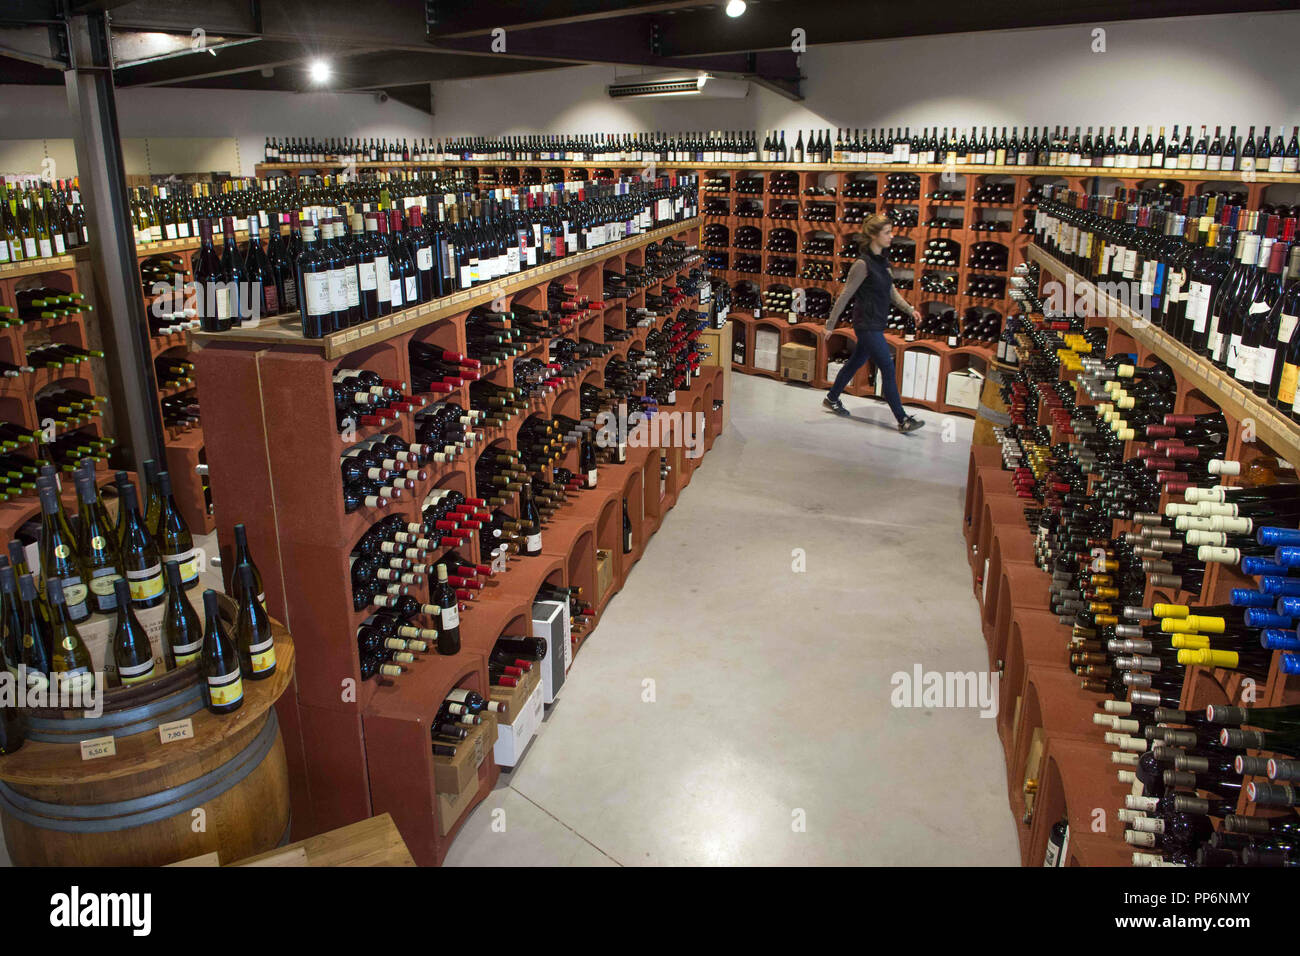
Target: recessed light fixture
(735,7)
(319,71)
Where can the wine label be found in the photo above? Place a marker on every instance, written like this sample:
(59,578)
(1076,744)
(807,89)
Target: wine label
(1286,388)
(424,258)
(395,292)
(351,286)
(263,656)
(146,584)
(226,689)
(367,276)
(383,281)
(184,653)
(411,291)
(338,290)
(1265,357)
(136,673)
(449,618)
(317,288)
(533,542)
(189,565)
(591,478)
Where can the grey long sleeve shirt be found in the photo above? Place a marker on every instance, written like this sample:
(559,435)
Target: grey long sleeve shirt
(879,293)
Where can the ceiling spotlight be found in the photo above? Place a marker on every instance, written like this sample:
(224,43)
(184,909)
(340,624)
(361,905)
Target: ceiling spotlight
(319,70)
(735,7)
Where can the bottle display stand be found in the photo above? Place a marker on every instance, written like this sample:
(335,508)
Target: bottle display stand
(357,748)
(133,807)
(1055,754)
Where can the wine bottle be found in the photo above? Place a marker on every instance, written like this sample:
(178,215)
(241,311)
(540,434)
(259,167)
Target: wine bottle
(244,556)
(219,672)
(182,631)
(139,554)
(173,538)
(253,629)
(70,663)
(97,546)
(444,596)
(132,652)
(59,559)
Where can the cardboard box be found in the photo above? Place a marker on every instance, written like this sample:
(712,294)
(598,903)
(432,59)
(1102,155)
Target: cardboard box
(452,806)
(604,573)
(932,378)
(767,340)
(767,360)
(551,623)
(526,716)
(452,774)
(964,389)
(796,355)
(909,374)
(796,374)
(97,630)
(718,342)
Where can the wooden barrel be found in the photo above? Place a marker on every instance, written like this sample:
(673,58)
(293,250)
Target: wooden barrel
(225,789)
(992,411)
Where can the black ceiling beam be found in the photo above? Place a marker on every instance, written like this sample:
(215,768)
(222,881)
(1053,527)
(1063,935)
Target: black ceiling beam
(229,62)
(221,17)
(704,32)
(402,69)
(463,18)
(622,43)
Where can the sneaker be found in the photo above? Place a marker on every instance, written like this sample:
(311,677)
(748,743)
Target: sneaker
(834,405)
(910,424)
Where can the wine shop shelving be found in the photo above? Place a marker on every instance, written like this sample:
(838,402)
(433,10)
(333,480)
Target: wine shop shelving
(1057,764)
(360,747)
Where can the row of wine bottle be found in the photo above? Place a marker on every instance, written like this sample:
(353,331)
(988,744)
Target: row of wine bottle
(1112,450)
(1267,152)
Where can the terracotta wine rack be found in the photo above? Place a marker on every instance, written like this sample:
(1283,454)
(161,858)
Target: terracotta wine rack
(1045,718)
(358,748)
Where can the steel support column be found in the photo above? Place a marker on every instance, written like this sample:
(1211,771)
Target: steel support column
(112,247)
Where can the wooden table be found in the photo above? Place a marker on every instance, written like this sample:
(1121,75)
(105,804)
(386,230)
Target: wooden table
(372,842)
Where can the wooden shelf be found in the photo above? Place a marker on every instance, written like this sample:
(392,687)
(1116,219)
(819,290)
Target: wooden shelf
(287,331)
(1271,426)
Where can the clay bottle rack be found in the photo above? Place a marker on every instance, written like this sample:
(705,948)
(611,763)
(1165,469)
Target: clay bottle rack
(1045,719)
(18,395)
(358,748)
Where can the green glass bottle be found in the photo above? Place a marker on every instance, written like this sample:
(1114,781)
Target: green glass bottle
(11,620)
(221,680)
(153,499)
(242,556)
(98,548)
(59,559)
(71,668)
(140,562)
(132,652)
(35,652)
(175,543)
(253,630)
(182,631)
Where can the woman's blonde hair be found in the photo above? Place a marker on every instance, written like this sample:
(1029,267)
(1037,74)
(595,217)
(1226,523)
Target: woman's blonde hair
(871,227)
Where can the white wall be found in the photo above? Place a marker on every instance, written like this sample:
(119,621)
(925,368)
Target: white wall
(1239,68)
(41,112)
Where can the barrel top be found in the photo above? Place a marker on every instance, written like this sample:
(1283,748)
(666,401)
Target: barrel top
(38,763)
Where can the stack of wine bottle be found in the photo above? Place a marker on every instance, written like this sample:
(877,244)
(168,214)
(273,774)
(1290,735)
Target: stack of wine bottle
(1184,766)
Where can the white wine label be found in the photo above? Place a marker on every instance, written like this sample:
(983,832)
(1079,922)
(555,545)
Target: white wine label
(175,730)
(366,272)
(591,478)
(449,618)
(533,542)
(411,292)
(1265,358)
(75,594)
(395,292)
(317,288)
(352,286)
(424,258)
(95,747)
(135,673)
(225,689)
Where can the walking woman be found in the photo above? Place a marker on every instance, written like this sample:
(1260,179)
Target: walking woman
(868,291)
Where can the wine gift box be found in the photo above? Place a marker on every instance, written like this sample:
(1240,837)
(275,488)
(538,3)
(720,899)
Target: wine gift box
(519,725)
(551,624)
(453,774)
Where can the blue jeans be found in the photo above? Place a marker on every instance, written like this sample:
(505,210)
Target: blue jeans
(872,345)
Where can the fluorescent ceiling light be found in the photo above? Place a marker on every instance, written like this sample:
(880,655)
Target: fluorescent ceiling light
(735,7)
(319,71)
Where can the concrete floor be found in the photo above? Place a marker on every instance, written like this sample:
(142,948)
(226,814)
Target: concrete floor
(730,710)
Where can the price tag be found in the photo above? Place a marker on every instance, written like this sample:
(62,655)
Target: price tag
(383,324)
(176,730)
(352,336)
(96,747)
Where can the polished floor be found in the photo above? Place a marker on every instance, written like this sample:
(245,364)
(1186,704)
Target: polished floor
(733,710)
